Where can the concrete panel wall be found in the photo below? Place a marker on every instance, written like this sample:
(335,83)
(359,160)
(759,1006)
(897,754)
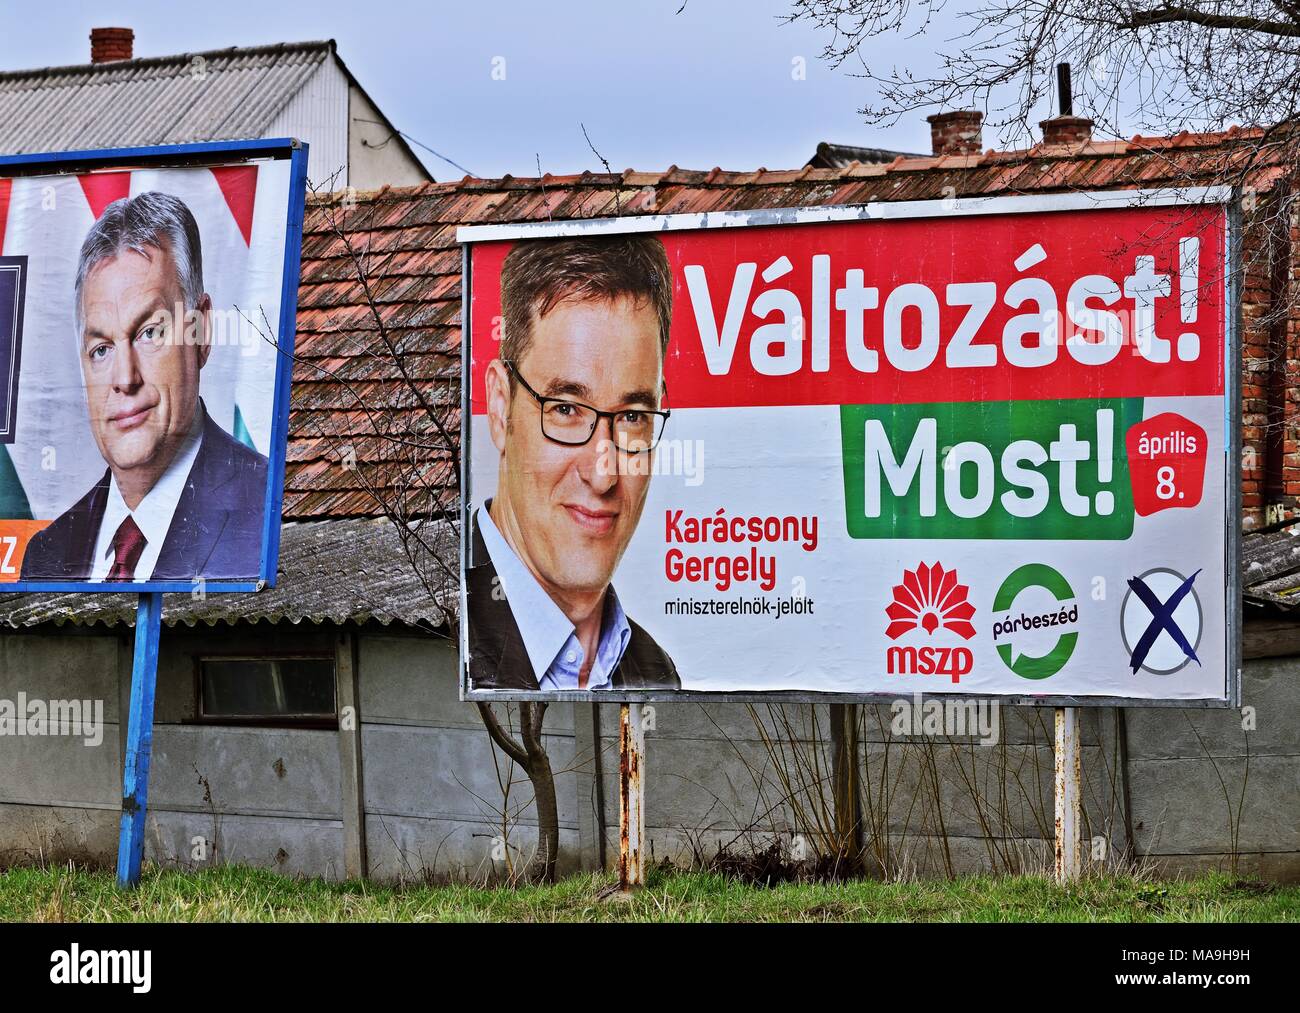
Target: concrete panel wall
(56,834)
(302,847)
(60,796)
(266,796)
(1201,788)
(439,801)
(247,771)
(261,796)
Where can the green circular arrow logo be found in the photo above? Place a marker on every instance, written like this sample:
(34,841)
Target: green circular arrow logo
(1036,575)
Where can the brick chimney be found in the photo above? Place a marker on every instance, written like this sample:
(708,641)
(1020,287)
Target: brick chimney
(109,44)
(1067,130)
(956,133)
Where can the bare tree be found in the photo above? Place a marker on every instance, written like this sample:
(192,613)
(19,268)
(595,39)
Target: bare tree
(1148,67)
(1229,67)
(1154,66)
(402,439)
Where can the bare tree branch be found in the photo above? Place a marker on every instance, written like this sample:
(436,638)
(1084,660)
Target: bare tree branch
(501,737)
(409,465)
(1176,15)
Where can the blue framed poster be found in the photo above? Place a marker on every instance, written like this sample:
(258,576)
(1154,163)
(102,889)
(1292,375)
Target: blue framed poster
(152,294)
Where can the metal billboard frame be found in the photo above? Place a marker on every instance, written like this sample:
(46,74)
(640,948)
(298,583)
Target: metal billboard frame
(1229,198)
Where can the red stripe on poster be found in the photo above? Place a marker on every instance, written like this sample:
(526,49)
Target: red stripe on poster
(6,187)
(239,186)
(1125,302)
(102,188)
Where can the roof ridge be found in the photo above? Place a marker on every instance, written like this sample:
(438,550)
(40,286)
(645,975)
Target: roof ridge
(324,45)
(718,178)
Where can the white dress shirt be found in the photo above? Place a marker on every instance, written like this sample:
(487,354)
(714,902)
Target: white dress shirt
(153,514)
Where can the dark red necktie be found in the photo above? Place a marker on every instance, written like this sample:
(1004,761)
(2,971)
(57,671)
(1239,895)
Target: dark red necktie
(128,543)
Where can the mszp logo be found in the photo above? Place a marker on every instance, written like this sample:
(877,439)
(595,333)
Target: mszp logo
(1161,621)
(930,601)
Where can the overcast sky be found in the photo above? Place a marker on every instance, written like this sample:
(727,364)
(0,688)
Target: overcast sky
(713,85)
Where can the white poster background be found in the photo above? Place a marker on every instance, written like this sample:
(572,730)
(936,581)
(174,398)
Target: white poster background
(788,461)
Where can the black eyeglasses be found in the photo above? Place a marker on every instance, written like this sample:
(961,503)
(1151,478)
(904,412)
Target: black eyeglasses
(572,423)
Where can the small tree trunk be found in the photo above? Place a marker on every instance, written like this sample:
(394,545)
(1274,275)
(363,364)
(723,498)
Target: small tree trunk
(543,780)
(848,804)
(531,755)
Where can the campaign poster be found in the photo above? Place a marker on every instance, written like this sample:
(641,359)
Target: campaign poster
(946,448)
(143,340)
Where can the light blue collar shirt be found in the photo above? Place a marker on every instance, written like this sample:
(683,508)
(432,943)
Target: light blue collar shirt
(549,638)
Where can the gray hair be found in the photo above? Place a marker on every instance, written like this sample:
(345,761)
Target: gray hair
(140,224)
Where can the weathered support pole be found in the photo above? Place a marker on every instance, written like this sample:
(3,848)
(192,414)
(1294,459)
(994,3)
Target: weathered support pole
(139,739)
(351,777)
(631,797)
(1068,792)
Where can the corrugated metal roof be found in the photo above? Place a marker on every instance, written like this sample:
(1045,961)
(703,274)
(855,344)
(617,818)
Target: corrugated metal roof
(330,572)
(224,94)
(1270,568)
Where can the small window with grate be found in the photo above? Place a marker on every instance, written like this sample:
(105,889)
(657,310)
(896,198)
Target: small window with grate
(289,691)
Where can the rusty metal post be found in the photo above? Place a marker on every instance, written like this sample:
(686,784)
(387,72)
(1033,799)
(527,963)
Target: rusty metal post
(1068,795)
(631,797)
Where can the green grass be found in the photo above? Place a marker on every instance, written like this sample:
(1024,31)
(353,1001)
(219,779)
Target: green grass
(241,894)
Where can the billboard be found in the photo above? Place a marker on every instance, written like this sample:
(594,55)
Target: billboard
(973,447)
(147,307)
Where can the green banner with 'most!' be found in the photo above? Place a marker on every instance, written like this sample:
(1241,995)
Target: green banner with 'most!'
(1002,469)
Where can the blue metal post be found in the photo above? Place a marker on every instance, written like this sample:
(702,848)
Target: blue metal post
(139,739)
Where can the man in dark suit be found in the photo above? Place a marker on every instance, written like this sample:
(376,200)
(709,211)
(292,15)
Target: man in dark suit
(181,499)
(574,405)
(498,658)
(215,533)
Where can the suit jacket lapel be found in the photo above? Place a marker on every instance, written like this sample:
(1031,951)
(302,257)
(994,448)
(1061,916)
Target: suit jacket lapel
(200,517)
(83,532)
(498,659)
(627,673)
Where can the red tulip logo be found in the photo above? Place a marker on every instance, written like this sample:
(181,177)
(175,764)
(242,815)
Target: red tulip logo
(930,598)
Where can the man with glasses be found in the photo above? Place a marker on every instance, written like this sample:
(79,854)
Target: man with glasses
(576,406)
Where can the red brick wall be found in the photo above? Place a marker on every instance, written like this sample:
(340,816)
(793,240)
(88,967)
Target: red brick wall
(1270,398)
(1290,368)
(1256,298)
(109,44)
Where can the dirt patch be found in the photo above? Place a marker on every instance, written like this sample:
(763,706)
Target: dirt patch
(772,865)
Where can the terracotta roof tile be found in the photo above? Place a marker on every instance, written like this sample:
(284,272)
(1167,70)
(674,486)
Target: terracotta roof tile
(411,257)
